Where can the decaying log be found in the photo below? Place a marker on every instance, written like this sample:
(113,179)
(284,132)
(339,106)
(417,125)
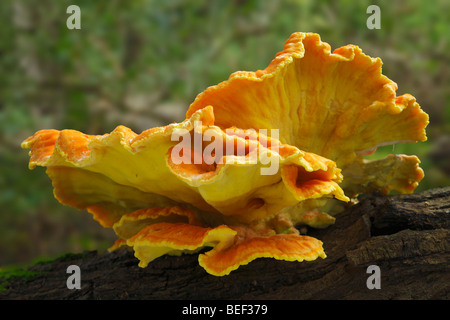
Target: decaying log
(406,236)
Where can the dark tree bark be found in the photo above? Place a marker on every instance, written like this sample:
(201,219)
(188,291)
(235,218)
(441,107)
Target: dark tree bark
(406,236)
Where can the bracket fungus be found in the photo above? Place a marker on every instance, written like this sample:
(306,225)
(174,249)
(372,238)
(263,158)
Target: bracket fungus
(220,180)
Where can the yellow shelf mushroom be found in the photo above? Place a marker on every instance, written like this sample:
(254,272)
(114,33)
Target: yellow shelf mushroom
(257,155)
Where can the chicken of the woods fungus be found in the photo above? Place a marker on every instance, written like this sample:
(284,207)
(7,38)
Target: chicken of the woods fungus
(257,156)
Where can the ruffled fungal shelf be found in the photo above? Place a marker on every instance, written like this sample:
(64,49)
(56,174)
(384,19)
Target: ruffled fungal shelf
(257,155)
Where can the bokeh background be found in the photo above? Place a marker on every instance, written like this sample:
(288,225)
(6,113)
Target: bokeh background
(141,63)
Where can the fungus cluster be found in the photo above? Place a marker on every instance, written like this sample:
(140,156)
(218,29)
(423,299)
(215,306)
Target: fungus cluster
(162,196)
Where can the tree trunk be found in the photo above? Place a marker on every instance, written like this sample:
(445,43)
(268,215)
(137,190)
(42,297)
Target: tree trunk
(405,236)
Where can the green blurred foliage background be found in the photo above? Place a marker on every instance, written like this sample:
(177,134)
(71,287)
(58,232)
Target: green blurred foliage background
(141,63)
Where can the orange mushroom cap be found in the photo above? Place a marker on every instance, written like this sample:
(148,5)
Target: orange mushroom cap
(335,104)
(288,247)
(232,248)
(174,238)
(131,223)
(121,172)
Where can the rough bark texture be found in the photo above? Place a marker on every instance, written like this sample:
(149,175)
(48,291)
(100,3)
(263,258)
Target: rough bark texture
(406,236)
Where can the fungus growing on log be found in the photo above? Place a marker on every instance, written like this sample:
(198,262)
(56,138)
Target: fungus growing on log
(219,179)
